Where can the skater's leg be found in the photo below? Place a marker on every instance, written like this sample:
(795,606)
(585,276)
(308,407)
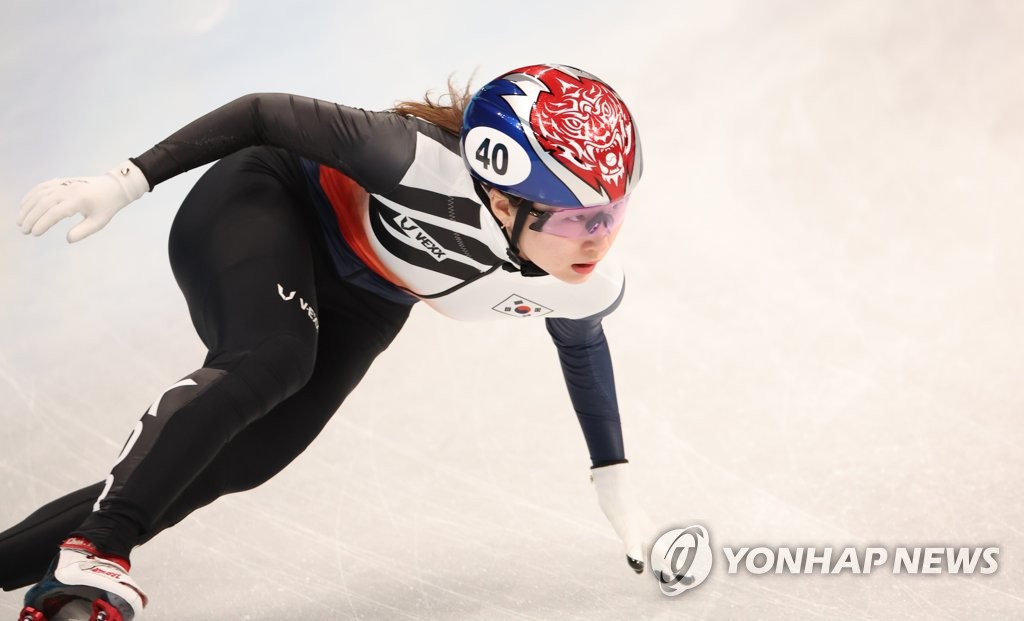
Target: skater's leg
(355,327)
(240,235)
(27,548)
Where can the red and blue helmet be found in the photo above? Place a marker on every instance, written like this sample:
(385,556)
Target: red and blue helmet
(554,135)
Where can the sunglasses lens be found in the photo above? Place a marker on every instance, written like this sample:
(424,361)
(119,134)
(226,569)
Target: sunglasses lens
(585,221)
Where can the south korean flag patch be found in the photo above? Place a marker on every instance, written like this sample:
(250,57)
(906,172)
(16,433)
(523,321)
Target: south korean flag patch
(518,306)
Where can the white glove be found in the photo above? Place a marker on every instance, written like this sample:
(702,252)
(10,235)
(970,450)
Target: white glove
(618,502)
(95,198)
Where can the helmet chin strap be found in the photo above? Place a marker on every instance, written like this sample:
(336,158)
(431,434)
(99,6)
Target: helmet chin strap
(524,267)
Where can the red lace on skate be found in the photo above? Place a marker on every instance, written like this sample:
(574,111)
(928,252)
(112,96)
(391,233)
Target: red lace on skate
(79,543)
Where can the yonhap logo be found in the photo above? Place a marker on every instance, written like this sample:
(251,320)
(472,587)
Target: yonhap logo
(826,560)
(681,560)
(686,553)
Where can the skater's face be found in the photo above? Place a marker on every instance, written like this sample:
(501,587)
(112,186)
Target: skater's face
(569,259)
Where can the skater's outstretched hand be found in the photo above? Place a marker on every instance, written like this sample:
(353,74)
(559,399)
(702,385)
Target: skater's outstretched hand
(618,502)
(97,199)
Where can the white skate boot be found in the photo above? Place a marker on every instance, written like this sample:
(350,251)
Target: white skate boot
(84,585)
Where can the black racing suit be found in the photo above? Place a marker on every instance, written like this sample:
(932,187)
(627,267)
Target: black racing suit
(280,292)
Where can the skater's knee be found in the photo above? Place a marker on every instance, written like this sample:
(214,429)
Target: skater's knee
(274,368)
(290,358)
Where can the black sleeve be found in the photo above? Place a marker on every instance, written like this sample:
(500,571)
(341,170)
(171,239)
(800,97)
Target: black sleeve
(373,148)
(587,369)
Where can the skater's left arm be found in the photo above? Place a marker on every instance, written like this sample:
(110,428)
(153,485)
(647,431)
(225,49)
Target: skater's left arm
(586,365)
(587,369)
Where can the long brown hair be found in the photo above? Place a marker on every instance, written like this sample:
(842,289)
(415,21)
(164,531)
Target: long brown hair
(446,115)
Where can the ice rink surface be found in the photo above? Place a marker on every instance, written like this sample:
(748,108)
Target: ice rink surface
(820,346)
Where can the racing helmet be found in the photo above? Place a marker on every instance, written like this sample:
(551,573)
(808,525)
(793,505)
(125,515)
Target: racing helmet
(552,134)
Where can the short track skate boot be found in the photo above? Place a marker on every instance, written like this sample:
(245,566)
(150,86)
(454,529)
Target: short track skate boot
(84,585)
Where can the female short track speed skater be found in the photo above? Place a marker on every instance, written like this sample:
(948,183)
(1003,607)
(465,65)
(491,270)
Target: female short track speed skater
(300,253)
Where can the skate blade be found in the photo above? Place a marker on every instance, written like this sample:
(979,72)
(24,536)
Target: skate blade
(103,611)
(79,610)
(29,613)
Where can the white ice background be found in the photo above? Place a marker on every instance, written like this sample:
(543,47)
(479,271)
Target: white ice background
(821,343)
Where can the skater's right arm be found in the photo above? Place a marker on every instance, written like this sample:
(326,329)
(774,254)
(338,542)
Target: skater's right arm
(373,148)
